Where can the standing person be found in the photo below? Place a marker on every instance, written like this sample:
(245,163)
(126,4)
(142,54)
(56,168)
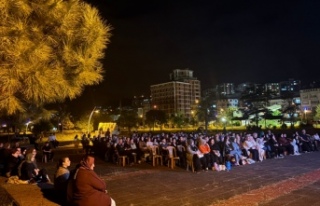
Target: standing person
(61,177)
(53,140)
(76,143)
(86,188)
(47,152)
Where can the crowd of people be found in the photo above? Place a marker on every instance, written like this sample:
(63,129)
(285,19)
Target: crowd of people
(80,186)
(198,151)
(206,152)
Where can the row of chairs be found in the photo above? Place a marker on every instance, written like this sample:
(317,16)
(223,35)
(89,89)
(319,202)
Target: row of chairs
(156,157)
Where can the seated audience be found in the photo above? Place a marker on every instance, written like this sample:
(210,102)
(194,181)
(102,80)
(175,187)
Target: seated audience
(194,154)
(61,177)
(284,142)
(29,171)
(250,147)
(12,163)
(235,151)
(86,188)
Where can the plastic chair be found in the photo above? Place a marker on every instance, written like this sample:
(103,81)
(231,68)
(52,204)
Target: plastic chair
(122,160)
(156,156)
(190,162)
(134,157)
(173,158)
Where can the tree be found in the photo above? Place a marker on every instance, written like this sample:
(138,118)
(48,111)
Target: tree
(205,112)
(128,118)
(82,124)
(178,120)
(42,126)
(317,116)
(291,110)
(49,51)
(154,115)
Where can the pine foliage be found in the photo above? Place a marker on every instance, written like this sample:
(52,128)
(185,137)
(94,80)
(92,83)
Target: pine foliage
(49,51)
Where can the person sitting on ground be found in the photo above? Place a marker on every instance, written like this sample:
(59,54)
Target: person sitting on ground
(61,177)
(29,171)
(32,151)
(12,163)
(86,188)
(5,153)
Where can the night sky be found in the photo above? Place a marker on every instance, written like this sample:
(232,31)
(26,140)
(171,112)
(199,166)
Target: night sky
(221,41)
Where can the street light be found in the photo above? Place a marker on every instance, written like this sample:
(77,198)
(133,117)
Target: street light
(27,124)
(224,120)
(305,113)
(93,111)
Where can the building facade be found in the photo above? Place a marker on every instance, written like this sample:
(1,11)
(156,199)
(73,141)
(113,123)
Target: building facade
(310,99)
(177,96)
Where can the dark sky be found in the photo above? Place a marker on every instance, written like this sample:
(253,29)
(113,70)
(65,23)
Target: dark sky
(220,40)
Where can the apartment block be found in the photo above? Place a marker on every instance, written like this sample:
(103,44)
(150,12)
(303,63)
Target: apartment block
(179,95)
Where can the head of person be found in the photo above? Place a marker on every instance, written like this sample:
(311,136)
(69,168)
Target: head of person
(88,162)
(29,157)
(16,152)
(191,142)
(64,162)
(32,151)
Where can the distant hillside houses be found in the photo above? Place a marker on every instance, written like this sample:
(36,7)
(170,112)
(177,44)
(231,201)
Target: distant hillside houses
(286,99)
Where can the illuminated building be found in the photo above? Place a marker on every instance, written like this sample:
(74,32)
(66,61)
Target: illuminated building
(179,95)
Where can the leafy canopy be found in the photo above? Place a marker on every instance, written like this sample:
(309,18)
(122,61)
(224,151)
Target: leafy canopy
(49,51)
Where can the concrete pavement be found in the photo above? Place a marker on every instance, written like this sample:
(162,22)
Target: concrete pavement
(292,181)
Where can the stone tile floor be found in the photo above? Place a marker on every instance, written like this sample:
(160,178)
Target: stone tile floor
(292,181)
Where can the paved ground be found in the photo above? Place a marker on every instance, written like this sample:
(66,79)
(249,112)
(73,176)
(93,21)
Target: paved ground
(292,181)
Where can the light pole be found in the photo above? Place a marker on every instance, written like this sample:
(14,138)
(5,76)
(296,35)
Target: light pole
(93,111)
(305,114)
(27,124)
(224,120)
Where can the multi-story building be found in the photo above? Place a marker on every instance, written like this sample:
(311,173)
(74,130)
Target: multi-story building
(225,89)
(143,105)
(272,88)
(290,87)
(310,99)
(178,96)
(246,88)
